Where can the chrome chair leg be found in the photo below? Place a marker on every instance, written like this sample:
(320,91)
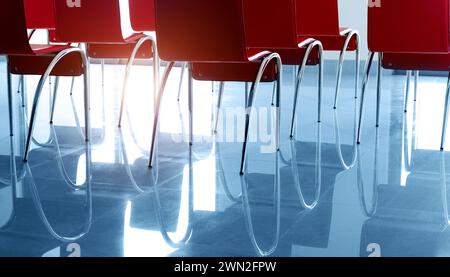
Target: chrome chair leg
(444,125)
(246,95)
(40,86)
(416,83)
(10,101)
(274,91)
(183,69)
(380,76)
(72,84)
(129,66)
(191,104)
(408,82)
(350,36)
(157,110)
(103,72)
(253,90)
(219,105)
(363,92)
(300,75)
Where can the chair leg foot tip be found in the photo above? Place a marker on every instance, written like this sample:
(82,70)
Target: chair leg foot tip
(334,108)
(241,173)
(358,142)
(442,148)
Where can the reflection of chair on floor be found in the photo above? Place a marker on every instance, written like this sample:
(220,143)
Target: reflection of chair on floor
(419,226)
(35,171)
(167,223)
(312,228)
(408,220)
(419,186)
(257,186)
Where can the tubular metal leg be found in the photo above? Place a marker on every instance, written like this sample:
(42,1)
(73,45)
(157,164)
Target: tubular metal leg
(41,84)
(444,125)
(380,73)
(254,89)
(129,66)
(246,95)
(219,105)
(103,72)
(363,92)
(10,102)
(416,83)
(300,75)
(274,91)
(157,110)
(20,84)
(191,104)
(72,84)
(22,90)
(350,36)
(183,68)
(408,82)
(55,95)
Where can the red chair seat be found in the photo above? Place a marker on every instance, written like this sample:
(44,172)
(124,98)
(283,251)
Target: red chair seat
(434,62)
(121,50)
(37,64)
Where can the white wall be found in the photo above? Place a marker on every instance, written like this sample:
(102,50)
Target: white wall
(353,14)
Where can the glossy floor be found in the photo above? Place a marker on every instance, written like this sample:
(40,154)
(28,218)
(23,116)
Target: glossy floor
(392,202)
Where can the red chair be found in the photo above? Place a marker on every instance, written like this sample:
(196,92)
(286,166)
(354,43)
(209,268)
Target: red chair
(46,60)
(231,40)
(333,37)
(412,39)
(112,30)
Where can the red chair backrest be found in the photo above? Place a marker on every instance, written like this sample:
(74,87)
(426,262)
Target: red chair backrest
(39,14)
(96,21)
(409,26)
(317,18)
(270,24)
(142,15)
(15,37)
(200,30)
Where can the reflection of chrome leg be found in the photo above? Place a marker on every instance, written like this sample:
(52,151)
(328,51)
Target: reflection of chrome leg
(363,93)
(444,125)
(350,36)
(191,104)
(380,73)
(254,89)
(416,83)
(311,46)
(183,68)
(128,69)
(157,110)
(219,105)
(41,84)
(408,82)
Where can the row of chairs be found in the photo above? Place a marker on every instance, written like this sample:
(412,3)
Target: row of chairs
(221,40)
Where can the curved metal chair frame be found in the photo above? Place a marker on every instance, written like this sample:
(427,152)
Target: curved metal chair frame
(379,77)
(40,86)
(266,61)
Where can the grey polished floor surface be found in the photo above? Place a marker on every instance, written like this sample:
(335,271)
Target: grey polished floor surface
(101,199)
